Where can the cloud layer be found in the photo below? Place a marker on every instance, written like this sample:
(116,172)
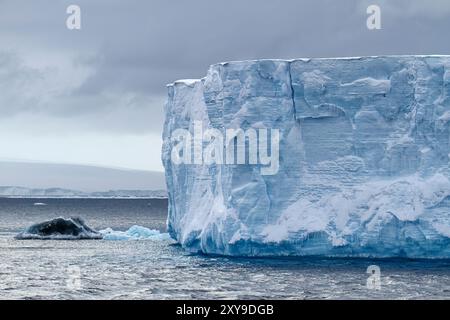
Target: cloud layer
(109,78)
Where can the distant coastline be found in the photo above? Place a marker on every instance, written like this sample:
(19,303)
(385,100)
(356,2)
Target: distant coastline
(46,193)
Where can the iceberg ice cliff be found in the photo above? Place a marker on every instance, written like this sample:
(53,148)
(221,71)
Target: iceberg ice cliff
(364,155)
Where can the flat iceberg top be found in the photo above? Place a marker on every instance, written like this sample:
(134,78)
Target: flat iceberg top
(362,159)
(186,82)
(192,82)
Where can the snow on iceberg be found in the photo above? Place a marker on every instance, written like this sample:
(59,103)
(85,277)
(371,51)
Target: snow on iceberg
(60,229)
(363,159)
(134,233)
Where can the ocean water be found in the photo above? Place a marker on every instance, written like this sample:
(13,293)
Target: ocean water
(159,269)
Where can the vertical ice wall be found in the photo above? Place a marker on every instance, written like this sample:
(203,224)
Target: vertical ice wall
(363,158)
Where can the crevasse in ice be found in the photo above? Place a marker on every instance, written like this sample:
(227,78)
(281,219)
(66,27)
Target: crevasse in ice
(363,159)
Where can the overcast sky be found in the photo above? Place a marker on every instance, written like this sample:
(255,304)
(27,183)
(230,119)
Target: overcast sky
(96,95)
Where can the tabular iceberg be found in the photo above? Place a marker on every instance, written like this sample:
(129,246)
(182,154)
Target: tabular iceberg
(364,151)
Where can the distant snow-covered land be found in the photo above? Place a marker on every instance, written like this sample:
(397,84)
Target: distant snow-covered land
(88,179)
(52,180)
(21,192)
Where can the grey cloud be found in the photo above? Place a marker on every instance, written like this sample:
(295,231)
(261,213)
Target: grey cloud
(19,85)
(134,48)
(29,90)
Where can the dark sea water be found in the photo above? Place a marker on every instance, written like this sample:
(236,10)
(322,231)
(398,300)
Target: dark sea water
(159,269)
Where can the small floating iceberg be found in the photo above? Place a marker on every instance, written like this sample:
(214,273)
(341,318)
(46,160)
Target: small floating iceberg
(76,229)
(134,233)
(60,229)
(39,204)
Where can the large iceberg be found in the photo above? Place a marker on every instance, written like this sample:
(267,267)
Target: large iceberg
(363,158)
